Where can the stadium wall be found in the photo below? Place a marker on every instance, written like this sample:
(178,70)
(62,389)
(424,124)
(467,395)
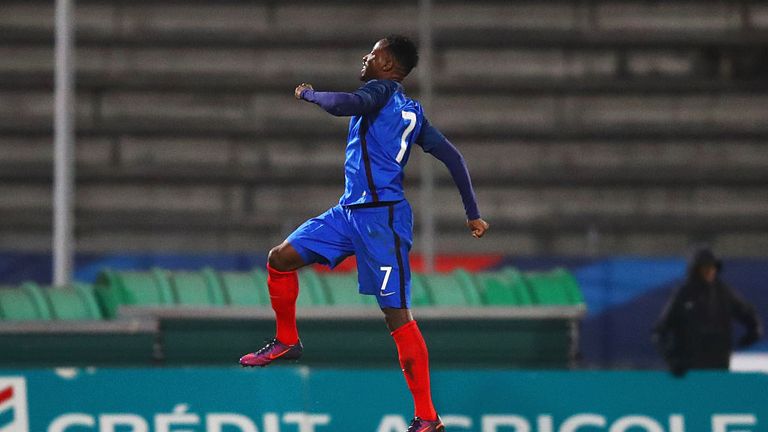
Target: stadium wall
(317,400)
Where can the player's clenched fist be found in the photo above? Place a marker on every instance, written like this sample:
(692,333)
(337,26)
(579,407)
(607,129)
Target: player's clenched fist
(478,227)
(300,88)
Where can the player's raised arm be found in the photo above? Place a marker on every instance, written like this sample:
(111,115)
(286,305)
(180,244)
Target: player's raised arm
(368,98)
(434,143)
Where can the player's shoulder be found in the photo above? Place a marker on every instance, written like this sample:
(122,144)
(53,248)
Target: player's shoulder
(412,104)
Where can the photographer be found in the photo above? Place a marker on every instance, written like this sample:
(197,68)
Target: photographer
(695,328)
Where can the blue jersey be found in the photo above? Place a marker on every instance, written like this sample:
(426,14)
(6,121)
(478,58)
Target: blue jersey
(384,126)
(378,146)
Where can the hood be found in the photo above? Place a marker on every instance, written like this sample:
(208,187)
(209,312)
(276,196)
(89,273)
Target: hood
(701,257)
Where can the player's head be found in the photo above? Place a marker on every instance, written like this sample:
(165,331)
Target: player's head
(704,265)
(391,58)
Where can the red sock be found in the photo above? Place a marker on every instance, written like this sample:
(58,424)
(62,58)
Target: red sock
(414,359)
(283,291)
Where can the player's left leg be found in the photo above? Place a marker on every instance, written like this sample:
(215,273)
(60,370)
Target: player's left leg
(414,362)
(383,240)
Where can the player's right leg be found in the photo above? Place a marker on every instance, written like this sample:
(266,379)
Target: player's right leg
(322,239)
(283,285)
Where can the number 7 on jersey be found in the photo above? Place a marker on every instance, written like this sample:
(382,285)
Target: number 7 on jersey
(410,117)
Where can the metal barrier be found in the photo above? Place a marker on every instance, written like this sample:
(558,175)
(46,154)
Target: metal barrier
(535,337)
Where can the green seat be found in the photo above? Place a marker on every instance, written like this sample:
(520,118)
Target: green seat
(419,292)
(504,288)
(25,303)
(132,288)
(571,286)
(311,290)
(195,288)
(471,289)
(146,288)
(519,286)
(452,289)
(556,288)
(343,290)
(495,289)
(244,288)
(76,302)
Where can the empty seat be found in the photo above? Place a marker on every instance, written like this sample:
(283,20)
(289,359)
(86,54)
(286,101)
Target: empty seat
(557,287)
(419,292)
(572,289)
(76,302)
(311,290)
(343,290)
(195,288)
(519,286)
(132,288)
(244,288)
(495,289)
(452,289)
(504,288)
(25,303)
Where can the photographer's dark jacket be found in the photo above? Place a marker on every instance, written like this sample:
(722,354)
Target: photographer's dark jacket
(694,331)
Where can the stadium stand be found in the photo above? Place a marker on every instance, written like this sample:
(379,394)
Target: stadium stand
(77,302)
(135,288)
(590,127)
(554,288)
(196,289)
(420,295)
(504,288)
(26,303)
(314,293)
(457,289)
(247,289)
(342,291)
(209,288)
(164,317)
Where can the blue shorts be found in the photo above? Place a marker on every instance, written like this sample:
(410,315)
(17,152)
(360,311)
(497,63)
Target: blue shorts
(380,237)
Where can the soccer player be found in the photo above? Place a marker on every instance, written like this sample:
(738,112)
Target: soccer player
(373,220)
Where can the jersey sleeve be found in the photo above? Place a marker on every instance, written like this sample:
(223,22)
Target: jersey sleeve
(435,143)
(369,98)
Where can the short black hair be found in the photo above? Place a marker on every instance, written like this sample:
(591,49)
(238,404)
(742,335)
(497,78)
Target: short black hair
(404,51)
